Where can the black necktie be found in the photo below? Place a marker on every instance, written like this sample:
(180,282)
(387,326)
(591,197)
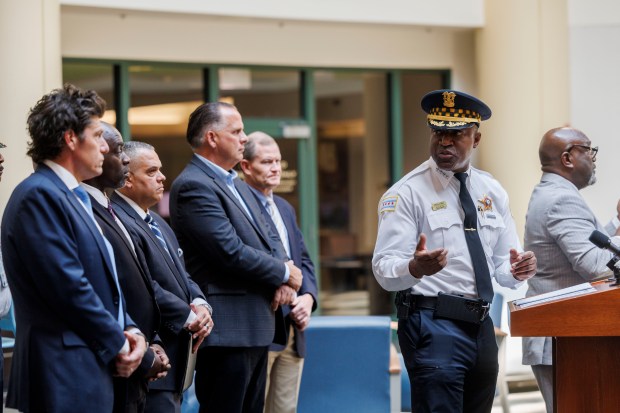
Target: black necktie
(478,258)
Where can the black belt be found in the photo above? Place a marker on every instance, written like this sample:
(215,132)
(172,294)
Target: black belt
(452,306)
(421,301)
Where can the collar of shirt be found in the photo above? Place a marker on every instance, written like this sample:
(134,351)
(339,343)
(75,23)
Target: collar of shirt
(226,176)
(95,193)
(263,198)
(65,176)
(444,177)
(136,207)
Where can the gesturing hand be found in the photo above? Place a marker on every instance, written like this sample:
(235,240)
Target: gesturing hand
(522,265)
(425,262)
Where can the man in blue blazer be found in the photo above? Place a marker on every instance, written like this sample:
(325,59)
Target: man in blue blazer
(185,314)
(70,312)
(235,257)
(262,171)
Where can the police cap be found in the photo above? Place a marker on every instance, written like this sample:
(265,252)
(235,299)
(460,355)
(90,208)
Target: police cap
(451,109)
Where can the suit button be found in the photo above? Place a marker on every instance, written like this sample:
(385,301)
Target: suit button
(115,302)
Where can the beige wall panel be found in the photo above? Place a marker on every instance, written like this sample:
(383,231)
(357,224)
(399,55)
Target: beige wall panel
(523,75)
(458,13)
(190,38)
(31,67)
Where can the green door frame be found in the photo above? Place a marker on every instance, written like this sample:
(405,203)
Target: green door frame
(307,147)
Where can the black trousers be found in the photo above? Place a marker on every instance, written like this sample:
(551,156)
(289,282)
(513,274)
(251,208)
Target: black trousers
(231,379)
(452,365)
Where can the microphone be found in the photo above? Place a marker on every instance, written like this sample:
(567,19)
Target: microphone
(603,241)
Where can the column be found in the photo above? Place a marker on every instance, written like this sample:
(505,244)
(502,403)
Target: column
(523,74)
(31,66)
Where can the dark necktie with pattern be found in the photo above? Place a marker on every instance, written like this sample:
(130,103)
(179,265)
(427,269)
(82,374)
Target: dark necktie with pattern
(158,234)
(474,245)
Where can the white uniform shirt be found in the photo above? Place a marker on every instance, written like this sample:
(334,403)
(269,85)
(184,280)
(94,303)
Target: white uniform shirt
(427,201)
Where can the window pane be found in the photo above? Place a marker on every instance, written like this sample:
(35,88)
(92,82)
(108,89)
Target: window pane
(162,98)
(261,93)
(416,134)
(352,126)
(98,77)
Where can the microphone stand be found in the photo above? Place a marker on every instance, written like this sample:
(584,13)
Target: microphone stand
(612,266)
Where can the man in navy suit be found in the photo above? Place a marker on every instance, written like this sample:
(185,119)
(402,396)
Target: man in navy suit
(185,314)
(235,257)
(262,170)
(130,393)
(69,308)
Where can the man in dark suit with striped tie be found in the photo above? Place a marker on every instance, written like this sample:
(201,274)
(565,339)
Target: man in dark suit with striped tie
(130,393)
(185,314)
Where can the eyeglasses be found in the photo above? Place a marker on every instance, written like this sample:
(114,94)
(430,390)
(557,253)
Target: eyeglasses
(592,151)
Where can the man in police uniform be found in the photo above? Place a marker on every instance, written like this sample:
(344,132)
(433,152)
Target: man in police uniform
(439,243)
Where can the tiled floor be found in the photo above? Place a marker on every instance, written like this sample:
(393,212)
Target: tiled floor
(527,402)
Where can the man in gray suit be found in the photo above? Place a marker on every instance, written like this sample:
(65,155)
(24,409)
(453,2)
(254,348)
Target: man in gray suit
(557,228)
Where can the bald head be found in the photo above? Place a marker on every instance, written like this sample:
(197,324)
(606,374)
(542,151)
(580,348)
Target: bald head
(555,141)
(562,151)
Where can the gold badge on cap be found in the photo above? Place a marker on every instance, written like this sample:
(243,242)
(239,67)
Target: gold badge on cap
(448,99)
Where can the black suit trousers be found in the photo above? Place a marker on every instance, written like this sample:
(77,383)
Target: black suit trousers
(231,379)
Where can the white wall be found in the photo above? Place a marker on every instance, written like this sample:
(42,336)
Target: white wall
(205,39)
(456,13)
(595,88)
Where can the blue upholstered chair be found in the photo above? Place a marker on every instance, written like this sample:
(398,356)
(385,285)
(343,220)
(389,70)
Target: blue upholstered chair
(190,403)
(347,365)
(7,323)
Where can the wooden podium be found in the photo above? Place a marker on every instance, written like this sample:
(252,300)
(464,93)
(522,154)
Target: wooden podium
(586,347)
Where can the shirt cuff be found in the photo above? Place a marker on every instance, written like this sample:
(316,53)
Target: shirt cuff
(199,301)
(287,274)
(125,348)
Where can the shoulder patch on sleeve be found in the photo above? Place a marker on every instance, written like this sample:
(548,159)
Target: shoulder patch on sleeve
(388,204)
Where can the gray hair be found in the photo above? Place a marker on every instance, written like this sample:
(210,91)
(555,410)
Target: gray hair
(133,147)
(254,139)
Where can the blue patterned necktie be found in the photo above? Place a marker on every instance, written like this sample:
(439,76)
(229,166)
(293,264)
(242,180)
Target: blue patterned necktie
(83,196)
(158,234)
(474,245)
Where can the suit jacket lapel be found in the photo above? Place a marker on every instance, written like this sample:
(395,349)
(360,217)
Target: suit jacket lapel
(144,227)
(180,269)
(103,213)
(247,196)
(78,209)
(203,167)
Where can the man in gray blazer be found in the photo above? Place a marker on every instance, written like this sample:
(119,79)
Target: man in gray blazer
(557,228)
